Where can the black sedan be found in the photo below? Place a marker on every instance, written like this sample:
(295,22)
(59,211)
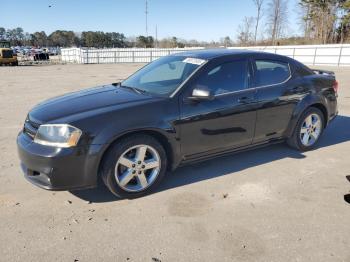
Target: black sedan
(176,110)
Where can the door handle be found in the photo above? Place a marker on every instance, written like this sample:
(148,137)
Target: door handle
(245,100)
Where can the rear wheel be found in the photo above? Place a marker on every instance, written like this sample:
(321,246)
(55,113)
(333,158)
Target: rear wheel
(134,166)
(308,130)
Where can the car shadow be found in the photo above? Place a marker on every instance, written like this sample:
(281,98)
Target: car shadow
(347,196)
(337,132)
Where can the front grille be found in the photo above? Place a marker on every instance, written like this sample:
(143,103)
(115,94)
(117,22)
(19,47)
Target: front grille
(30,127)
(7,54)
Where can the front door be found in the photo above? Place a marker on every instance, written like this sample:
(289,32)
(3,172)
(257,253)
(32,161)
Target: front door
(227,121)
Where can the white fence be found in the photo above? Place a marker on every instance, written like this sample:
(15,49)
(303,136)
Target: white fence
(336,55)
(117,55)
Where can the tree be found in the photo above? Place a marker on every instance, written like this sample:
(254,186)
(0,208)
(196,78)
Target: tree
(15,36)
(117,39)
(39,39)
(193,43)
(63,38)
(88,39)
(144,41)
(174,41)
(258,4)
(27,39)
(226,41)
(2,33)
(277,18)
(101,39)
(320,19)
(343,30)
(245,31)
(19,33)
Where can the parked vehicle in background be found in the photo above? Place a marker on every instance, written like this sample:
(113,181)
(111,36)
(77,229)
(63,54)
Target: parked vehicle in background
(41,57)
(27,54)
(7,56)
(176,110)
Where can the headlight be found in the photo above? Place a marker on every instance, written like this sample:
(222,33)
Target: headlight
(57,135)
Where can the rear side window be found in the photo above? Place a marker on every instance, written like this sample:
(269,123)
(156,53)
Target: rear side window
(302,70)
(225,78)
(271,72)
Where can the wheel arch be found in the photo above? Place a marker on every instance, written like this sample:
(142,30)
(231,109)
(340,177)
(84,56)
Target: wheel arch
(300,108)
(324,111)
(158,135)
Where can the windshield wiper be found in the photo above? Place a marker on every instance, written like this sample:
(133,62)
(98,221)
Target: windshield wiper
(136,90)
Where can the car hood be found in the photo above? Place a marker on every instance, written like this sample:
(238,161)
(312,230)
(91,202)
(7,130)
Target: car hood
(83,101)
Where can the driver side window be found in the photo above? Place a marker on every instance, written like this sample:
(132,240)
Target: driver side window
(225,78)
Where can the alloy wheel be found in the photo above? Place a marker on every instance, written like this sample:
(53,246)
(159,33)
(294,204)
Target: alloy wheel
(137,168)
(310,129)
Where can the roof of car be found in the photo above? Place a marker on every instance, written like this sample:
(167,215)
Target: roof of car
(208,54)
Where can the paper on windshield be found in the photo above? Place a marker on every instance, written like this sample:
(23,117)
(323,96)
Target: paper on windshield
(195,61)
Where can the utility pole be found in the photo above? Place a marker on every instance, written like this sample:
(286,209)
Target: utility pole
(146,12)
(156,36)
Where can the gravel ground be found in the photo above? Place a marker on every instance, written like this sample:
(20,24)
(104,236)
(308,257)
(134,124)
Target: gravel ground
(271,204)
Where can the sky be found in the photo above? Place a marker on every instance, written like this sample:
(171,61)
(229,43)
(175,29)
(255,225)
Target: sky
(205,20)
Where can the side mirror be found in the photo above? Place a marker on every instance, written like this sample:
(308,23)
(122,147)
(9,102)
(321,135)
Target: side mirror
(201,94)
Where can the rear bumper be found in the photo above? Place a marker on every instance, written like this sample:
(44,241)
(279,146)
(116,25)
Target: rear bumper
(58,168)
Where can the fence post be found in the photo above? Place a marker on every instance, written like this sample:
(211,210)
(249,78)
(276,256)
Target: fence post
(315,56)
(87,55)
(98,57)
(340,54)
(133,56)
(150,55)
(294,53)
(115,57)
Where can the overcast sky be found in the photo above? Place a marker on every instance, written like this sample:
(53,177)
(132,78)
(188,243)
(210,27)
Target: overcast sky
(190,19)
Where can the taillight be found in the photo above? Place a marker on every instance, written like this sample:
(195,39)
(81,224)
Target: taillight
(335,86)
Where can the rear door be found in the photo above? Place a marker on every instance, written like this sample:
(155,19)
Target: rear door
(227,121)
(272,79)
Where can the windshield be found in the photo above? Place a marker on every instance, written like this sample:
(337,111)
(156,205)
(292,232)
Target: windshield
(163,76)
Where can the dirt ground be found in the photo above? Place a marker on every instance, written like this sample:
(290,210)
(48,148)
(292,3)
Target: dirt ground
(271,204)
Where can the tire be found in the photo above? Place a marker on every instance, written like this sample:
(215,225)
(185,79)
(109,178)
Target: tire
(303,132)
(126,174)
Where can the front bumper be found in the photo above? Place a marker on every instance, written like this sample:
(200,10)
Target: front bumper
(58,168)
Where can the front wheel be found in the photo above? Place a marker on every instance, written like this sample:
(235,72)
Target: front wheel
(308,130)
(134,166)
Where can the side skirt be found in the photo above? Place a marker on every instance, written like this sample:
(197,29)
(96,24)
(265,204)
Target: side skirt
(202,158)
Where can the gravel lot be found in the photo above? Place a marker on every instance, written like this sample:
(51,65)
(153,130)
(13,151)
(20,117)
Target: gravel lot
(271,204)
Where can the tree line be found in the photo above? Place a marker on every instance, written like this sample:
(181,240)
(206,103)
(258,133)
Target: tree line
(320,21)
(326,21)
(63,38)
(97,39)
